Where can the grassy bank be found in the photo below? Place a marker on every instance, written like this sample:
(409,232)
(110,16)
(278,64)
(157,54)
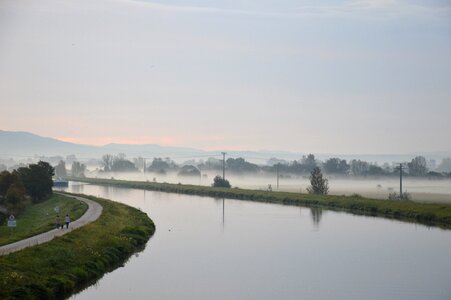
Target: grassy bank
(57,269)
(39,218)
(430,214)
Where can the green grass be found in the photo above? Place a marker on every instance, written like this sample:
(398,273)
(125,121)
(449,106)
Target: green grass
(431,214)
(39,218)
(67,264)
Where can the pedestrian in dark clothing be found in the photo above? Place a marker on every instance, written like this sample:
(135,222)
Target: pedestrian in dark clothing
(58,221)
(67,221)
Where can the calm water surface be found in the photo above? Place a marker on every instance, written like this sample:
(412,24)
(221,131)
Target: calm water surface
(206,248)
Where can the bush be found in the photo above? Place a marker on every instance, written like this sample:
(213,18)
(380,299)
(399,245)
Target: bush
(218,181)
(355,195)
(395,196)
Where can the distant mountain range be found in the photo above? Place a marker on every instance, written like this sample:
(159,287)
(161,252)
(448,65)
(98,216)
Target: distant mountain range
(24,144)
(21,145)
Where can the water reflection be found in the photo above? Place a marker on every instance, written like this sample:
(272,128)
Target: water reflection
(223,209)
(316,213)
(205,261)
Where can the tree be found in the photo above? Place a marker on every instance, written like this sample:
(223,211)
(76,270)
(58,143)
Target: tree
(375,170)
(122,165)
(359,167)
(37,179)
(189,170)
(211,164)
(218,181)
(15,197)
(275,161)
(308,162)
(6,180)
(239,165)
(319,185)
(78,169)
(159,165)
(60,169)
(417,167)
(107,162)
(12,191)
(336,166)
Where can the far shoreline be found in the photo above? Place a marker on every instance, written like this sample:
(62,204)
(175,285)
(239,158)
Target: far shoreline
(429,214)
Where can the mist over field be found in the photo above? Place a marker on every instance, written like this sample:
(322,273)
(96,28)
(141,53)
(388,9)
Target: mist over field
(371,176)
(421,190)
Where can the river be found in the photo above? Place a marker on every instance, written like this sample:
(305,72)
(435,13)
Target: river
(206,248)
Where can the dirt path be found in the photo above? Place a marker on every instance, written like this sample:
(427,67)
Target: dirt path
(92,213)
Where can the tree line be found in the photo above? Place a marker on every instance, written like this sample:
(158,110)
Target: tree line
(334,166)
(417,167)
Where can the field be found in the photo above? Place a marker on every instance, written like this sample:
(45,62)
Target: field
(421,190)
(38,218)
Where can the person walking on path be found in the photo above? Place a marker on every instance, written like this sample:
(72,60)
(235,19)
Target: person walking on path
(67,221)
(58,221)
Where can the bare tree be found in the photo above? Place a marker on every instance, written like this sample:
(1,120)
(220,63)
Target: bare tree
(107,162)
(417,167)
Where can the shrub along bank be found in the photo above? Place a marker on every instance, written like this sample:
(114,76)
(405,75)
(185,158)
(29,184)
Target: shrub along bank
(431,214)
(67,264)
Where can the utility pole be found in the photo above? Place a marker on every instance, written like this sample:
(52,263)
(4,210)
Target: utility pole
(400,181)
(223,164)
(278,176)
(144,169)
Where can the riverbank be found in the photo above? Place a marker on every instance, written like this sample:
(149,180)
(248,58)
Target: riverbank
(430,214)
(40,217)
(67,264)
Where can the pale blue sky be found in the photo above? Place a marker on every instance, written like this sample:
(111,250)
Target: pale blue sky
(338,77)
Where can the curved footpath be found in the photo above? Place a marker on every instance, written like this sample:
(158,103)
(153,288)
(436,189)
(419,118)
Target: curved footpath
(92,213)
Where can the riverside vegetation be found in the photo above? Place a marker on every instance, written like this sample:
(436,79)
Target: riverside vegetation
(430,214)
(67,264)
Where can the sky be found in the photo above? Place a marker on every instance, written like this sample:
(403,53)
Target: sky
(350,77)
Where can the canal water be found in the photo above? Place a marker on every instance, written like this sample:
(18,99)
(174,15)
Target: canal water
(206,248)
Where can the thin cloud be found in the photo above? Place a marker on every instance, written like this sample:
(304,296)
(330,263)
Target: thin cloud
(391,7)
(201,9)
(385,7)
